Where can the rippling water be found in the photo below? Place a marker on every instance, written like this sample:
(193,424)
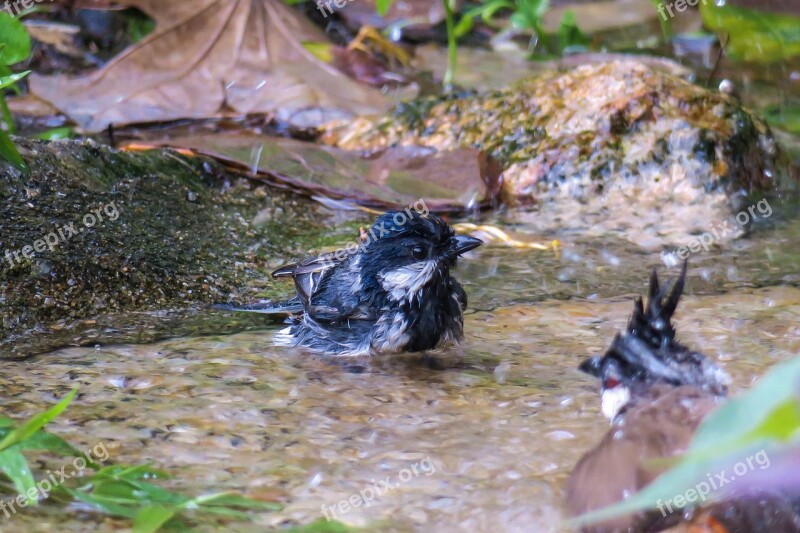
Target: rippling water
(497,424)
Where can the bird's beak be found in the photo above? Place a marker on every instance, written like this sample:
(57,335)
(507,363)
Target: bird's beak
(460,244)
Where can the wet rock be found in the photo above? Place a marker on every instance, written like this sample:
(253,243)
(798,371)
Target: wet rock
(100,246)
(619,146)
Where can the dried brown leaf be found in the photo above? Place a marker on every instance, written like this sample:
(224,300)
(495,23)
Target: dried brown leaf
(205,54)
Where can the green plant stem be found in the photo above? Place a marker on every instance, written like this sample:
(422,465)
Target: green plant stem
(452,50)
(7,118)
(666,25)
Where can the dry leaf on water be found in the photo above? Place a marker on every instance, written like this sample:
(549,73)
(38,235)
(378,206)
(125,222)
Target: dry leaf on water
(448,180)
(204,54)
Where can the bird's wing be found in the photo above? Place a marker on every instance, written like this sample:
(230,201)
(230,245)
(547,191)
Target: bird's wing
(314,264)
(309,273)
(307,276)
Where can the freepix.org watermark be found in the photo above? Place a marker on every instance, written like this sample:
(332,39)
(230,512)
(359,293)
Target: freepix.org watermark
(758,211)
(15,8)
(679,5)
(61,235)
(329,5)
(701,490)
(97,454)
(377,488)
(400,218)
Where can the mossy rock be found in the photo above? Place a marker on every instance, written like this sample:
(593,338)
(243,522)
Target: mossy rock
(99,245)
(620,146)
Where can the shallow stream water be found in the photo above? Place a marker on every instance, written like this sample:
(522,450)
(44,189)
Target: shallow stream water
(479,438)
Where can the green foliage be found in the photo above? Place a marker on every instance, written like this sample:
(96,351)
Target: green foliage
(15,39)
(525,15)
(486,12)
(528,15)
(139,25)
(754,35)
(15,46)
(321,526)
(65,132)
(382,6)
(784,117)
(569,34)
(766,418)
(118,490)
(125,491)
(666,23)
(17,439)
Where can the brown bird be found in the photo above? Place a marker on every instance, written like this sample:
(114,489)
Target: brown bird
(656,392)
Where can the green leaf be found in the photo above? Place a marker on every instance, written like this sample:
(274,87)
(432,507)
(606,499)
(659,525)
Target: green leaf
(9,152)
(464,25)
(54,134)
(16,39)
(784,117)
(754,35)
(104,505)
(14,465)
(229,499)
(540,7)
(488,11)
(521,21)
(568,32)
(320,526)
(382,6)
(322,51)
(45,441)
(130,473)
(150,519)
(39,420)
(11,79)
(742,416)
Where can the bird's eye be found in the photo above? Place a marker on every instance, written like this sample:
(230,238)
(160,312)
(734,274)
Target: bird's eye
(418,252)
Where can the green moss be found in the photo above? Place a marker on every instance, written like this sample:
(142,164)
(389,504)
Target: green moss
(185,236)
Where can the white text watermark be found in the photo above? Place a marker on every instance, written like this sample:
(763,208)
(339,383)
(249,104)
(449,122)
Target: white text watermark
(60,235)
(367,495)
(720,231)
(701,490)
(328,5)
(679,5)
(97,453)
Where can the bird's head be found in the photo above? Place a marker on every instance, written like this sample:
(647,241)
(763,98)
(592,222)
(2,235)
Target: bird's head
(404,251)
(647,353)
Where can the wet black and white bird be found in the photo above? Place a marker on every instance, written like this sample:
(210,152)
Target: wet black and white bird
(391,293)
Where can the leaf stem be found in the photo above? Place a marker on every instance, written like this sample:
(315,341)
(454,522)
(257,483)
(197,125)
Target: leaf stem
(452,50)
